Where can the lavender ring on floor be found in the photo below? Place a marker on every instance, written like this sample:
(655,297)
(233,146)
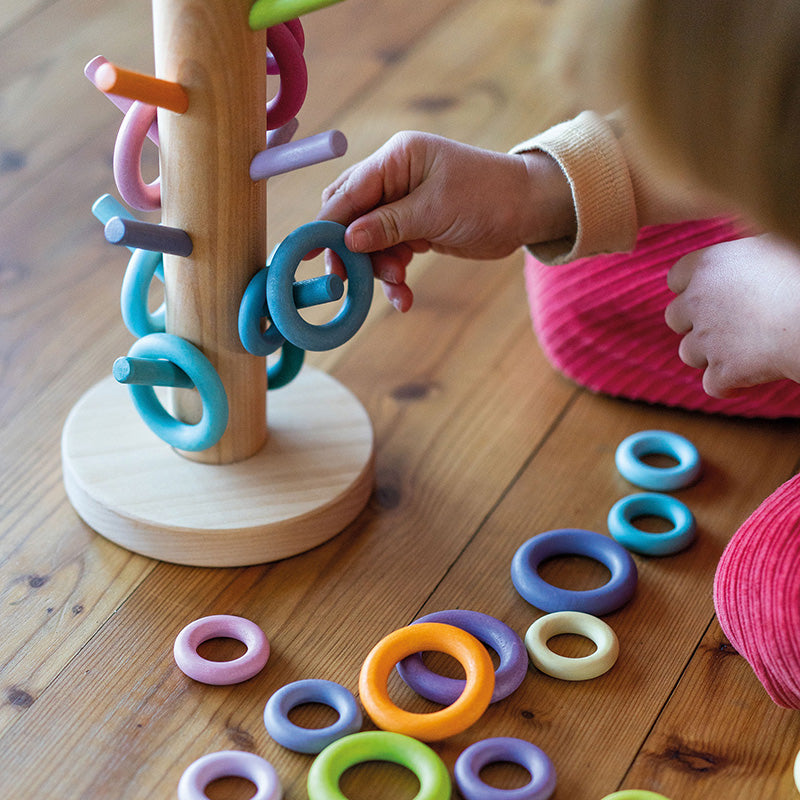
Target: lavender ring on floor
(488,630)
(230,764)
(221,673)
(504,748)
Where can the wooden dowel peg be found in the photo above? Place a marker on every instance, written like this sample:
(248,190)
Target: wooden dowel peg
(266,13)
(122,103)
(150,372)
(148,236)
(137,86)
(296,155)
(316,291)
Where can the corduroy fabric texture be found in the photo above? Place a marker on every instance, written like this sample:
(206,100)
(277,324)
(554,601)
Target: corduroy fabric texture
(600,321)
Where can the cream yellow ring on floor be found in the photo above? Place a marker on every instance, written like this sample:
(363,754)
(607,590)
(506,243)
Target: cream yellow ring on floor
(572,669)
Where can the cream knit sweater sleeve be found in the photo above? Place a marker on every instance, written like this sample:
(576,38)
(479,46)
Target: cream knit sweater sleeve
(614,193)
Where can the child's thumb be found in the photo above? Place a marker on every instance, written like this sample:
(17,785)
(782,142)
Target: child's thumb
(382,228)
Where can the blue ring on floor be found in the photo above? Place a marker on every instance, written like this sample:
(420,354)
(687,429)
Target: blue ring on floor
(653,504)
(311,690)
(574,541)
(628,458)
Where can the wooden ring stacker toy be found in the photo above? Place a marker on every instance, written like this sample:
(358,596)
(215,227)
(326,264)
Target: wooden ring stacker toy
(221,673)
(337,758)
(467,709)
(262,492)
(504,748)
(230,764)
(312,690)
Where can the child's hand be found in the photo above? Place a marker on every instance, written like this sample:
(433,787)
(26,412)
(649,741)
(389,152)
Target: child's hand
(423,192)
(738,305)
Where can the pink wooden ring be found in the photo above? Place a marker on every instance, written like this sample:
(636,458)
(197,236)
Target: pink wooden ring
(296,27)
(294,76)
(127,159)
(221,673)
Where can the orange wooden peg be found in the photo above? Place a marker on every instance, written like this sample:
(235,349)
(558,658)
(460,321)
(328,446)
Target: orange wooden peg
(137,86)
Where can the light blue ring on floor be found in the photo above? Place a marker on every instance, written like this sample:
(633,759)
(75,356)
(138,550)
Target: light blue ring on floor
(628,458)
(574,541)
(191,360)
(311,690)
(652,504)
(133,301)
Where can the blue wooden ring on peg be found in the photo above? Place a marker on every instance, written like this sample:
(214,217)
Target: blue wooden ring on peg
(286,368)
(252,310)
(136,315)
(185,355)
(280,280)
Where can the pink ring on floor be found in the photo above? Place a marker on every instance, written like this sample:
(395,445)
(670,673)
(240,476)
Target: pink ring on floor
(221,673)
(127,159)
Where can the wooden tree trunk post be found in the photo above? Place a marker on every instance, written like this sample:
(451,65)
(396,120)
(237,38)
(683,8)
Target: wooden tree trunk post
(207,47)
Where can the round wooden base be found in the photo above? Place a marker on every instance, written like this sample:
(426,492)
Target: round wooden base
(311,479)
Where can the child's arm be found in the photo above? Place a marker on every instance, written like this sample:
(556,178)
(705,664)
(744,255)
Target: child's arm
(423,192)
(737,307)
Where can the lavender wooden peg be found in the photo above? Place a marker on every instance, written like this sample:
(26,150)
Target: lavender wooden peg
(296,155)
(148,236)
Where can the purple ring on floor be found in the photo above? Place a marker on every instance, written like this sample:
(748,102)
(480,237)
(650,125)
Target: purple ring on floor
(127,157)
(487,629)
(504,748)
(221,673)
(229,764)
(574,541)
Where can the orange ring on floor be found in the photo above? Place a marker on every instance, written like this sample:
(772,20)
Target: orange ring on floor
(426,636)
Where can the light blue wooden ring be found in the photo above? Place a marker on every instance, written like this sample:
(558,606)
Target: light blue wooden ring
(623,513)
(311,690)
(252,310)
(185,355)
(286,368)
(136,315)
(628,458)
(283,265)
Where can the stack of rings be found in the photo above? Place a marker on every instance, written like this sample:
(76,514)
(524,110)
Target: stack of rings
(310,740)
(488,630)
(334,760)
(572,669)
(230,764)
(625,511)
(574,541)
(503,748)
(628,458)
(418,638)
(221,673)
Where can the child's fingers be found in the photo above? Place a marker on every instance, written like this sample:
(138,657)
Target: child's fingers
(399,295)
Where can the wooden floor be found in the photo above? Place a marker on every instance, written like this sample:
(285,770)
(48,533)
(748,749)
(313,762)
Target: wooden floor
(480,445)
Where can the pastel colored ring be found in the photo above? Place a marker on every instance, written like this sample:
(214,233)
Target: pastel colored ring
(280,282)
(459,644)
(486,629)
(286,368)
(288,55)
(221,673)
(336,758)
(311,690)
(127,159)
(230,764)
(628,458)
(574,541)
(572,669)
(505,748)
(252,309)
(635,794)
(623,513)
(181,435)
(136,315)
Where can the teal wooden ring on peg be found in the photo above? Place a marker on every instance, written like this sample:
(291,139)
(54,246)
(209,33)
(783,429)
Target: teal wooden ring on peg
(148,236)
(127,159)
(133,301)
(190,359)
(253,308)
(266,13)
(286,368)
(280,281)
(278,159)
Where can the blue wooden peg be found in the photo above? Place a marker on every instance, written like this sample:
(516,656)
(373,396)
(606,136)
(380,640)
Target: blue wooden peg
(148,236)
(150,372)
(316,291)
